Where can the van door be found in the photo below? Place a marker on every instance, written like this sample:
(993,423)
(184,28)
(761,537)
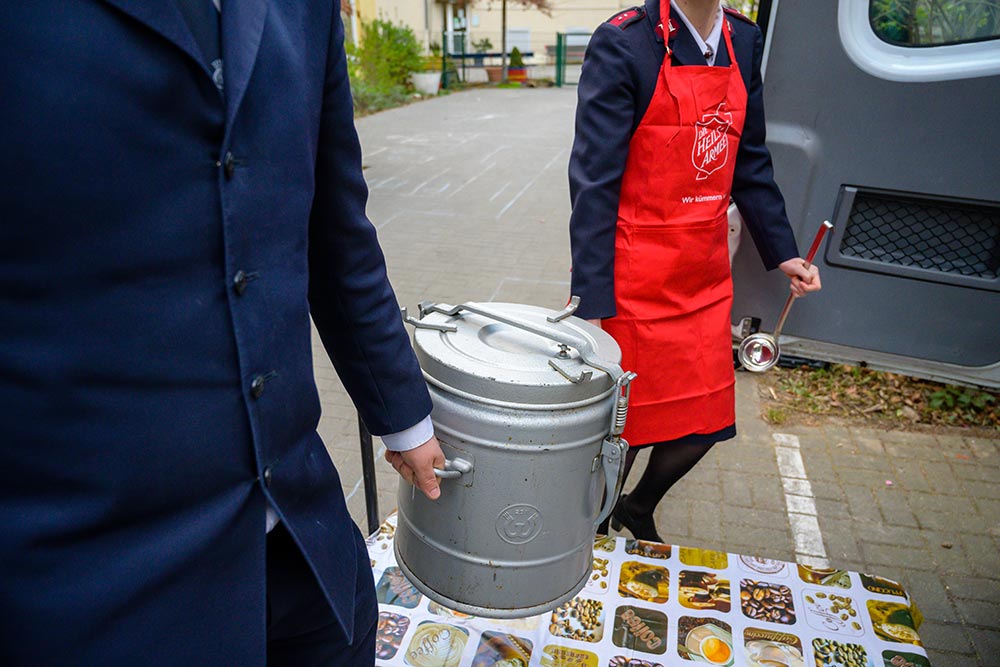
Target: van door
(882,117)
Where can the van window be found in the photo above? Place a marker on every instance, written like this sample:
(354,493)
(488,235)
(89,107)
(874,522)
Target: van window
(917,23)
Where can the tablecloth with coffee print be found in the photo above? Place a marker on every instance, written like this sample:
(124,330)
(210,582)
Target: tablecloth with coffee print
(655,605)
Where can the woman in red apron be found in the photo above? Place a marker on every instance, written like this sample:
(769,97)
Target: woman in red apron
(670,124)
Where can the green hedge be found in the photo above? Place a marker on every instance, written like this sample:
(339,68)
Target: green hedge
(380,65)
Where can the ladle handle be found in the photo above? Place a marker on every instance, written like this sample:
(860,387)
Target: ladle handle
(813,249)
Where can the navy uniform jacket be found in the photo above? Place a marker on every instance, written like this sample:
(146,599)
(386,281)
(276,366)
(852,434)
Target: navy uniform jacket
(619,76)
(161,250)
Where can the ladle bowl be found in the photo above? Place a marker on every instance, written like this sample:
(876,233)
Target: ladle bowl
(760,351)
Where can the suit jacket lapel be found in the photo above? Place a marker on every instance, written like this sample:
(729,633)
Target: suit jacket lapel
(242,27)
(165,19)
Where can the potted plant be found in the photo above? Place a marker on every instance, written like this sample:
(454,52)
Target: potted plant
(481,46)
(427,81)
(516,71)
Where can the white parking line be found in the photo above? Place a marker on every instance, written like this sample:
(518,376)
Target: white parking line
(799,502)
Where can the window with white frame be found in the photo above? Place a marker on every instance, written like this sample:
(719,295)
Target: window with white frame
(921,40)
(921,23)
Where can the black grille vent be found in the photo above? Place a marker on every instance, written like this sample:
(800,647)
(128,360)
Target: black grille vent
(952,238)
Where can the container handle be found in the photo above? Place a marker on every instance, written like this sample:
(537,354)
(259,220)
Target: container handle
(612,457)
(581,345)
(453,468)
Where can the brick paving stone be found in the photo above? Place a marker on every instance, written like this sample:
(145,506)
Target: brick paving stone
(767,544)
(981,552)
(986,642)
(834,433)
(973,588)
(977,473)
(937,502)
(895,508)
(673,521)
(705,520)
(922,452)
(883,533)
(870,443)
(907,475)
(873,479)
(942,478)
(987,452)
(819,466)
(979,612)
(832,509)
(948,659)
(930,595)
(896,556)
(853,462)
(950,637)
(827,490)
(735,489)
(751,518)
(840,540)
(862,503)
(969,522)
(768,494)
(951,559)
(988,507)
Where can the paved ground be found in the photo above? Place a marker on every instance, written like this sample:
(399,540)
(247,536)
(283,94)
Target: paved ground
(470,198)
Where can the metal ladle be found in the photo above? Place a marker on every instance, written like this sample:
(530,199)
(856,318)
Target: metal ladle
(760,351)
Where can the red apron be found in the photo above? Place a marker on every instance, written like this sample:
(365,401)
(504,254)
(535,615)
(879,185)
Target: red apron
(673,284)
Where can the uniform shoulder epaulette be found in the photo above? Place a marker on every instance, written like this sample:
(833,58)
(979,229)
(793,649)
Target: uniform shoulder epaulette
(626,18)
(736,14)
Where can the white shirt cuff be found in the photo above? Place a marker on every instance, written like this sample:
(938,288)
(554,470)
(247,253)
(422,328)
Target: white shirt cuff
(411,438)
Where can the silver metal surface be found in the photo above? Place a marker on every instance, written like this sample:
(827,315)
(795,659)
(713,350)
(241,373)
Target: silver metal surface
(515,536)
(760,351)
(453,468)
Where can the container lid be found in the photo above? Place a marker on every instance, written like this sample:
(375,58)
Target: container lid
(512,353)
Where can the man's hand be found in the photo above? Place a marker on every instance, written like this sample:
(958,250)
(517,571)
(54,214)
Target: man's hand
(804,278)
(417,465)
(596,323)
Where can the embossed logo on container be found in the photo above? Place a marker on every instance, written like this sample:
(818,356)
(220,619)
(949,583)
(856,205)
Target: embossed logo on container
(519,524)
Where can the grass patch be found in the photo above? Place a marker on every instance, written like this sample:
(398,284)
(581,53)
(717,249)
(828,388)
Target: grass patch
(876,397)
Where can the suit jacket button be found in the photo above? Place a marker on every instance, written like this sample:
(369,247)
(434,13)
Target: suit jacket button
(240,281)
(257,386)
(267,476)
(229,166)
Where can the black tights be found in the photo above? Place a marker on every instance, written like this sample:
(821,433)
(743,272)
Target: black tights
(667,464)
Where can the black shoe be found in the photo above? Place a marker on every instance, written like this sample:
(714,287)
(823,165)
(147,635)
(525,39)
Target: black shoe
(642,527)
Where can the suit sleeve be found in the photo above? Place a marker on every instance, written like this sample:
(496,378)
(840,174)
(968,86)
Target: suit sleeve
(352,303)
(756,194)
(604,119)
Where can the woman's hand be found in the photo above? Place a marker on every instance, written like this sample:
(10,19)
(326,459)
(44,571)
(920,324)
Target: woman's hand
(804,277)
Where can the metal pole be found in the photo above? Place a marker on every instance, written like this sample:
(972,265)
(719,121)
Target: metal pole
(560,58)
(368,474)
(444,59)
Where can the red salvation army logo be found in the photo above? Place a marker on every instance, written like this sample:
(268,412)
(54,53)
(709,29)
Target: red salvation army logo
(711,147)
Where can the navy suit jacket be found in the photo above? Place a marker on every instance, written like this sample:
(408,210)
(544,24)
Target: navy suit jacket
(161,250)
(619,76)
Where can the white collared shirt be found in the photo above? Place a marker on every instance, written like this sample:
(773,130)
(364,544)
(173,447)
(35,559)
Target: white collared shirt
(709,47)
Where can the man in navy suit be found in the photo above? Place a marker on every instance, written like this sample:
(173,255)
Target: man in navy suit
(181,189)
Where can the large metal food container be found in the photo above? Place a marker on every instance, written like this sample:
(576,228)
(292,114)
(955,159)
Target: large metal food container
(528,407)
